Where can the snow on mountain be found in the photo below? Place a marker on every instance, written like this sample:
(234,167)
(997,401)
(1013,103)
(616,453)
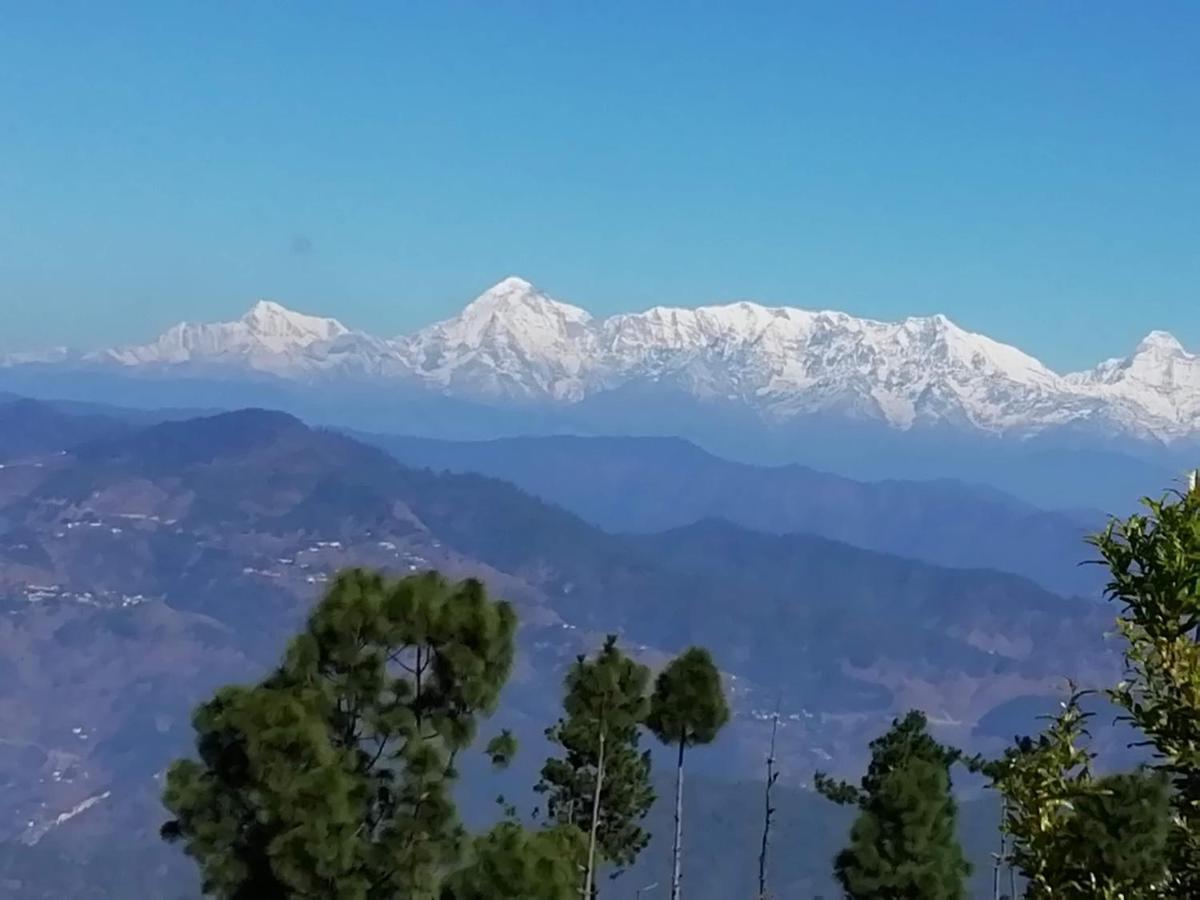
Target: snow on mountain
(516,344)
(1160,378)
(48,356)
(790,362)
(512,341)
(269,337)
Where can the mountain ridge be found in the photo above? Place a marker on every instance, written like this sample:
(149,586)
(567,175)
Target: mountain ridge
(514,344)
(642,485)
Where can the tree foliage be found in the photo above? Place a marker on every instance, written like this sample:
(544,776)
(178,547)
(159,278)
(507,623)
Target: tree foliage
(1074,835)
(333,776)
(1120,831)
(601,781)
(903,844)
(512,863)
(1154,562)
(688,707)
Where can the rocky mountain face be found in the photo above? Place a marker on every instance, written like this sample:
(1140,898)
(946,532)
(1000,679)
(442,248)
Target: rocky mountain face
(516,345)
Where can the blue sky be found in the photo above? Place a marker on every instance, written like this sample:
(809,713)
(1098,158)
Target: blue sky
(1030,169)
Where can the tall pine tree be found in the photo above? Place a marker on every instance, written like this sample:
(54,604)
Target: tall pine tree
(688,708)
(601,782)
(903,845)
(332,777)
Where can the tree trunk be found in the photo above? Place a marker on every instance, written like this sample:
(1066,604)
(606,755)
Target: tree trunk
(676,868)
(590,877)
(1002,856)
(768,810)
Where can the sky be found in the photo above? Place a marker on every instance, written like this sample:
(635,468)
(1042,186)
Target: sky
(1030,169)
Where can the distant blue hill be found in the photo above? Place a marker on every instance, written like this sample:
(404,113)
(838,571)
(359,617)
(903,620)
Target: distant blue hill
(1067,468)
(653,484)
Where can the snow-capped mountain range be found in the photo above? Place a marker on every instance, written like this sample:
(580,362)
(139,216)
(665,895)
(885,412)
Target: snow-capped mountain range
(515,344)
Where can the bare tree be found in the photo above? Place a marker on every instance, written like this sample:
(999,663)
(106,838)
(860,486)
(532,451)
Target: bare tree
(768,809)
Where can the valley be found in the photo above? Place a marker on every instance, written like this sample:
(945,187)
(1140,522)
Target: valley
(142,565)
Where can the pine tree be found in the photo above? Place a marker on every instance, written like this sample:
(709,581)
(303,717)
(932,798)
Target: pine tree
(688,708)
(601,783)
(1154,562)
(903,845)
(1119,834)
(512,863)
(333,776)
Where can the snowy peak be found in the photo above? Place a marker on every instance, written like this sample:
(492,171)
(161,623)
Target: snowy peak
(1159,358)
(1159,342)
(511,341)
(1159,378)
(271,321)
(268,334)
(511,291)
(516,306)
